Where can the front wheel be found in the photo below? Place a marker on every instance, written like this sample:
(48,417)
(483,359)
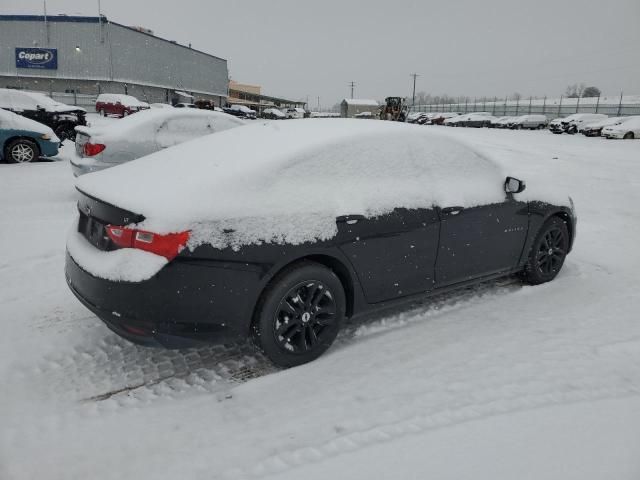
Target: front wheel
(628,136)
(300,314)
(22,151)
(548,252)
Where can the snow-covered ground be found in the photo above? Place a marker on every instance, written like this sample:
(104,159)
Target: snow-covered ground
(500,381)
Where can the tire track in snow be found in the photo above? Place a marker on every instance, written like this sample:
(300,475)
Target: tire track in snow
(111,368)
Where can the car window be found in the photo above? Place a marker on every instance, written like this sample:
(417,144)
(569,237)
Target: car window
(177,130)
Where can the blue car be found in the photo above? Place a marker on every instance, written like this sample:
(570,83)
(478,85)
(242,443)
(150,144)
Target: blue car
(24,140)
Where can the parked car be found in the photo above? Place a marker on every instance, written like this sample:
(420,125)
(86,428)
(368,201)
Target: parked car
(241,111)
(413,116)
(441,118)
(185,105)
(595,129)
(295,112)
(273,114)
(575,122)
(160,105)
(477,120)
(555,126)
(628,129)
(531,122)
(118,105)
(24,140)
(182,246)
(364,115)
(61,118)
(141,134)
(501,122)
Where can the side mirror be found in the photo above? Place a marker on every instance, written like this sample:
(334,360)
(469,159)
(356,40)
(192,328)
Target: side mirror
(513,185)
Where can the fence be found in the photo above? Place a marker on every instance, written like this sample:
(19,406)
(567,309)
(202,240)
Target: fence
(83,100)
(619,106)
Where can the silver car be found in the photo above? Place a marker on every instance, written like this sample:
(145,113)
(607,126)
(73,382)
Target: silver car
(144,133)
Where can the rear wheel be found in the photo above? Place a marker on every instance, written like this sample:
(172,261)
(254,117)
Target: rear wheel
(628,136)
(22,151)
(300,314)
(548,252)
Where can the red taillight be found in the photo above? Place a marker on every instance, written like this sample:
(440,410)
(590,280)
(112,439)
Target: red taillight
(92,149)
(168,245)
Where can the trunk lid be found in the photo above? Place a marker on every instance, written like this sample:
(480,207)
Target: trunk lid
(95,215)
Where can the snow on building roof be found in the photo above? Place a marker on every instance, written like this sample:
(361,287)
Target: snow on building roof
(361,102)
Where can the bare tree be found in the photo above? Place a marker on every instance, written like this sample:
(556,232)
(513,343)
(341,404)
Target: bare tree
(575,90)
(515,96)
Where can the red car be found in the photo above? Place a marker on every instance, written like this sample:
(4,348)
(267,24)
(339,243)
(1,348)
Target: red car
(119,105)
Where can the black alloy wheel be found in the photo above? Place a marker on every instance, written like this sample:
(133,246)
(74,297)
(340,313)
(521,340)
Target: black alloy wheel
(22,150)
(548,252)
(300,314)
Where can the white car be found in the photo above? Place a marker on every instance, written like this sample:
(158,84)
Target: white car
(273,113)
(627,129)
(595,129)
(532,122)
(573,123)
(501,122)
(142,134)
(295,112)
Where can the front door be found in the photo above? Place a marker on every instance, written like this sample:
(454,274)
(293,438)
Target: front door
(480,241)
(393,254)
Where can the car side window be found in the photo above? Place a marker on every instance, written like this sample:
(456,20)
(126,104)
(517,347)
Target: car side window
(178,130)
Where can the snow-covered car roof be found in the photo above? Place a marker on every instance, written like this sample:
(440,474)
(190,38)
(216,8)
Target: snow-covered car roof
(247,180)
(10,120)
(126,100)
(608,122)
(275,111)
(23,100)
(632,122)
(148,121)
(242,108)
(160,105)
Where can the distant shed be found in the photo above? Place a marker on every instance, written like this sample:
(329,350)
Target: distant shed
(352,106)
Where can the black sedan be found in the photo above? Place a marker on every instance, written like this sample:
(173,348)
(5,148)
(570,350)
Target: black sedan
(291,293)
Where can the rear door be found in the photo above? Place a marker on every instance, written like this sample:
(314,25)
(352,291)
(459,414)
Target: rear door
(183,128)
(480,241)
(394,254)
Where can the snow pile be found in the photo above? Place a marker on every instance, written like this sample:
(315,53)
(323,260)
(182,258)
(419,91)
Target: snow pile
(10,120)
(288,182)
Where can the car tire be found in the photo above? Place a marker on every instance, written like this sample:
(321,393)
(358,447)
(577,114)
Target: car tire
(299,315)
(125,114)
(548,252)
(22,150)
(628,136)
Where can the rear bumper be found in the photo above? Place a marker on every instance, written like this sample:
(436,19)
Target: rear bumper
(183,305)
(82,166)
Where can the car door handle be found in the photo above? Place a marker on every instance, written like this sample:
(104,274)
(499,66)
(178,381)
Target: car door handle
(350,219)
(452,210)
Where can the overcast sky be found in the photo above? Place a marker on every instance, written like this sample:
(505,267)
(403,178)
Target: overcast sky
(300,48)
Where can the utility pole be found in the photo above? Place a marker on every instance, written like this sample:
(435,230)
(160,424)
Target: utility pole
(352,84)
(318,103)
(414,75)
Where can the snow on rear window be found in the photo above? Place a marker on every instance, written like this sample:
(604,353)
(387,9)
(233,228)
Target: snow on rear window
(288,182)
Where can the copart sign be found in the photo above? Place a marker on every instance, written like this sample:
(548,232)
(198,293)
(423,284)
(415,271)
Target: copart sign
(37,58)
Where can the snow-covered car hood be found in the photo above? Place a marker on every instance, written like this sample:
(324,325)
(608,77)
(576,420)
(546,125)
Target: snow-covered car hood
(12,120)
(245,180)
